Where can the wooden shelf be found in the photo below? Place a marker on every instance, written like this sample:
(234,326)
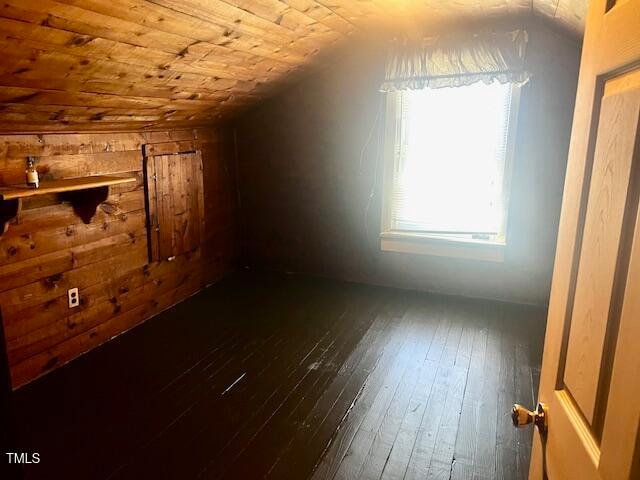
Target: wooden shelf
(61,186)
(84,194)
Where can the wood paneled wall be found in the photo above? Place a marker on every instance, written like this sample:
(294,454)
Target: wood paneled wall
(310,179)
(51,250)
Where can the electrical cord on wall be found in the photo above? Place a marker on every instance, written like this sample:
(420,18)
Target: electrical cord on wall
(376,158)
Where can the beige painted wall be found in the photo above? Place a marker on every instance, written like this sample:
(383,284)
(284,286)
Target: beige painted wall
(310,179)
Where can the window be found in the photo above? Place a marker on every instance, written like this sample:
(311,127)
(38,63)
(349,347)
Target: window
(447,168)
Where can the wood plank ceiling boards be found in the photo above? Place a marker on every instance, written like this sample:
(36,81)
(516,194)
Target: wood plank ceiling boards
(102,65)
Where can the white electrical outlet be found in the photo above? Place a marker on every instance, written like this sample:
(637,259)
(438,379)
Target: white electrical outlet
(74,297)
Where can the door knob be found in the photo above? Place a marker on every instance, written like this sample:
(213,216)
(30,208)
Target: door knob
(522,416)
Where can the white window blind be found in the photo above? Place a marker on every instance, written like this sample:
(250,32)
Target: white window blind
(449,166)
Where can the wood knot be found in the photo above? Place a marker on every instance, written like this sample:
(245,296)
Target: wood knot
(80,40)
(52,362)
(52,281)
(109,208)
(25,98)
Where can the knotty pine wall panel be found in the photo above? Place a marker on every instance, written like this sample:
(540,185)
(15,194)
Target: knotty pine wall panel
(310,178)
(50,250)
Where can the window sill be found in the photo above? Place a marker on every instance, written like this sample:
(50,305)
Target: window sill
(442,247)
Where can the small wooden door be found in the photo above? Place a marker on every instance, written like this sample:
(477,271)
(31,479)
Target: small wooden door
(590,378)
(175,203)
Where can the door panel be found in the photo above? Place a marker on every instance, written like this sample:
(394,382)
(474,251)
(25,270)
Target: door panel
(603,230)
(621,426)
(175,203)
(165,206)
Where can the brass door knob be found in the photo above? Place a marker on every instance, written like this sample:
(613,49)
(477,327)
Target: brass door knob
(522,416)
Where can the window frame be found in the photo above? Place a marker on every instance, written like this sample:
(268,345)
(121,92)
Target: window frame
(437,243)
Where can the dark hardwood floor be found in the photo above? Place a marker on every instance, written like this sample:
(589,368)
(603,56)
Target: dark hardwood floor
(287,377)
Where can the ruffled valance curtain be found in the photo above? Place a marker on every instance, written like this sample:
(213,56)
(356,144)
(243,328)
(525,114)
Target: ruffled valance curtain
(457,60)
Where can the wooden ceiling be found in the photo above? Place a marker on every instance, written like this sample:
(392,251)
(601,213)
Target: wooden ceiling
(134,64)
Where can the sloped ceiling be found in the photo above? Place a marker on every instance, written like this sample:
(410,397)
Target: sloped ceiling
(133,64)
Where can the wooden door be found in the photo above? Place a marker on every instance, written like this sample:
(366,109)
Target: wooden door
(175,203)
(590,378)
